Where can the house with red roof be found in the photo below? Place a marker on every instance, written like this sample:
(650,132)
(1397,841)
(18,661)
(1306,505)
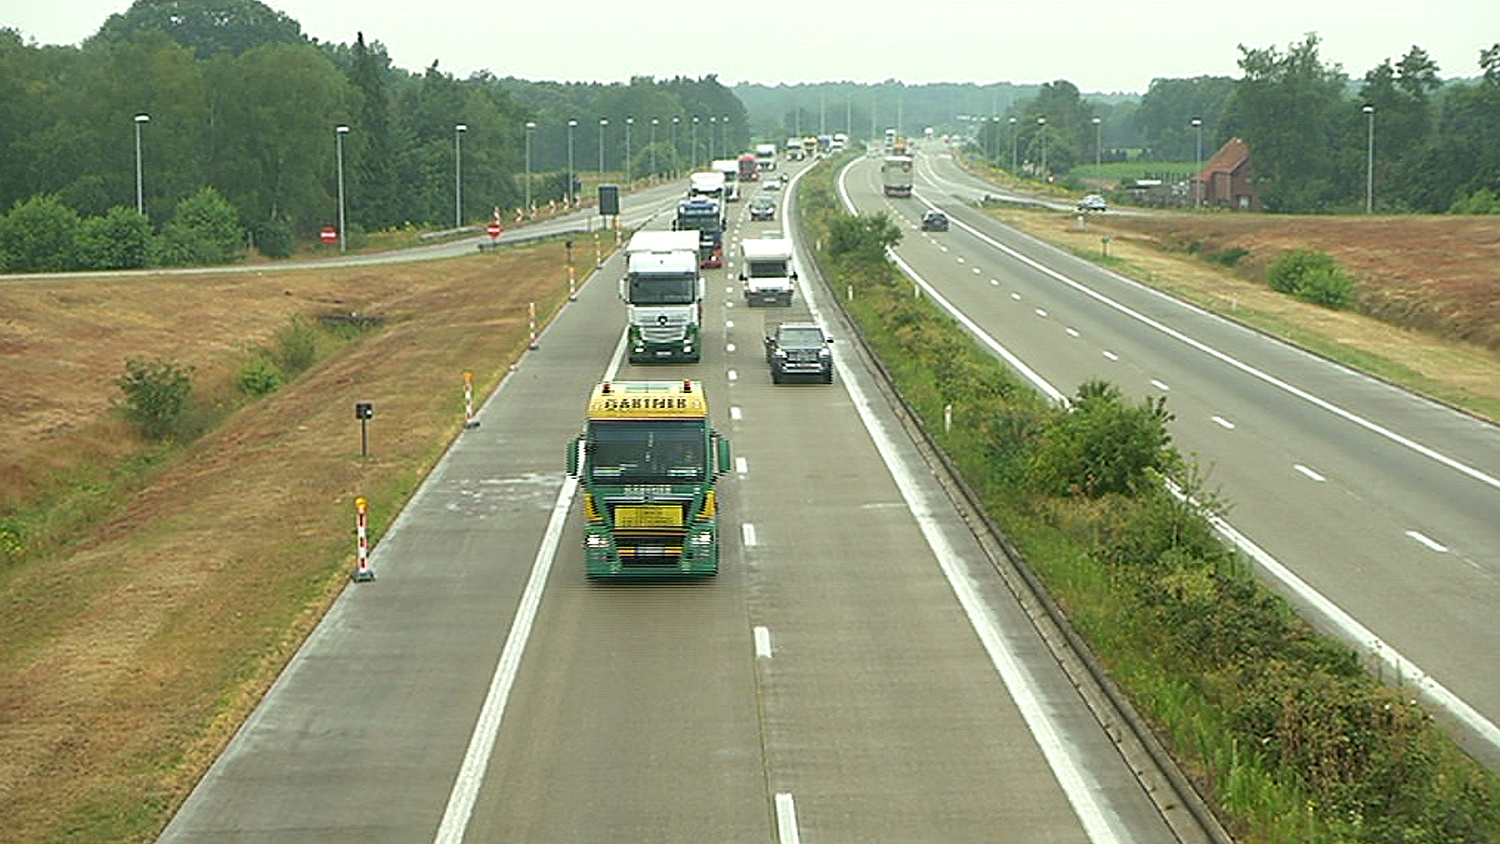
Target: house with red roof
(1225,178)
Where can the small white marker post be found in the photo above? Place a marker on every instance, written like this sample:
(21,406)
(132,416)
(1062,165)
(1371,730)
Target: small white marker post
(469,420)
(531,323)
(362,571)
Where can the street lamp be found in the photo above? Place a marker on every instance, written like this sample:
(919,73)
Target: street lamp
(629,121)
(1041,124)
(1369,111)
(724,123)
(1013,137)
(1098,142)
(676,153)
(458,175)
(339,132)
(529,126)
(654,121)
(569,192)
(140,204)
(603,121)
(693,159)
(712,151)
(1197,124)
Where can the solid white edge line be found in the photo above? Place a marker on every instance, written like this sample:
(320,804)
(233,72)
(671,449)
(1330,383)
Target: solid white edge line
(470,777)
(786,820)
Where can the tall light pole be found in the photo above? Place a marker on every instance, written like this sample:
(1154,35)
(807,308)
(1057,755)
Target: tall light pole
(339,132)
(458,175)
(603,121)
(676,153)
(1098,142)
(693,159)
(1197,124)
(1041,129)
(140,202)
(569,193)
(629,121)
(1014,136)
(654,121)
(724,123)
(529,127)
(1369,111)
(712,149)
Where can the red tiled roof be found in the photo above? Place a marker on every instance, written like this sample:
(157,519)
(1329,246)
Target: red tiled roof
(1230,157)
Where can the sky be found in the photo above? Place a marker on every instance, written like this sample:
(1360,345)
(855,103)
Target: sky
(1115,46)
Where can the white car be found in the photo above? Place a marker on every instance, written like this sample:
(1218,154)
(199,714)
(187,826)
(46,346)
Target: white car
(1093,202)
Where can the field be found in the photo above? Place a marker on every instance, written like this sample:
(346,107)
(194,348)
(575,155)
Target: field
(129,654)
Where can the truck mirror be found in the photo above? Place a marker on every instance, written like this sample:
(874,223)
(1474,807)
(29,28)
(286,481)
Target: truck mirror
(726,462)
(793,276)
(574,448)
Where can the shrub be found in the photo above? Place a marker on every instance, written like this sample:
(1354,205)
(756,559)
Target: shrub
(296,348)
(205,229)
(1229,256)
(119,240)
(260,377)
(274,238)
(1313,277)
(1482,201)
(156,395)
(1103,445)
(39,235)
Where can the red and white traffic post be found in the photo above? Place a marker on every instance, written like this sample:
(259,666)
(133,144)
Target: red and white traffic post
(469,420)
(531,323)
(362,571)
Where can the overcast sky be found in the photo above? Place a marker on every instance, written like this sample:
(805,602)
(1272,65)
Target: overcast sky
(1099,46)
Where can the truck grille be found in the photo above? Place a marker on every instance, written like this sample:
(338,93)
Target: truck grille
(650,549)
(663,333)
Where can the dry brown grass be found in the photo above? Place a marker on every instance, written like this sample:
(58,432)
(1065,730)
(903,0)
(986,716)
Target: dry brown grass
(129,659)
(1429,294)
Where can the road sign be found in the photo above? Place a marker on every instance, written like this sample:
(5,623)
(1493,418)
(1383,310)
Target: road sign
(494,231)
(329,236)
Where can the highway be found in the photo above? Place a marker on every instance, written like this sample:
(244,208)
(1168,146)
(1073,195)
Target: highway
(858,671)
(1377,511)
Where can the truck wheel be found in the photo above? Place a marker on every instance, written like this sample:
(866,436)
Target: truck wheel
(828,377)
(775,377)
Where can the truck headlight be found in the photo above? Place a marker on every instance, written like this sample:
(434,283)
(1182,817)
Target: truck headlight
(703,540)
(595,541)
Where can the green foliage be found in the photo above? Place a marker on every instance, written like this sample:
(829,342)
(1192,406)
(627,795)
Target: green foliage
(204,230)
(274,238)
(1313,277)
(1104,445)
(119,240)
(296,348)
(260,377)
(1228,256)
(1482,201)
(39,235)
(221,26)
(157,393)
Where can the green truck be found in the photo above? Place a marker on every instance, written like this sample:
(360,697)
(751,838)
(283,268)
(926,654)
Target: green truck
(647,462)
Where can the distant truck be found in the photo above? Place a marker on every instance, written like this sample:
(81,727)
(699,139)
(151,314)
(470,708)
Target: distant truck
(706,217)
(810,146)
(768,271)
(647,461)
(794,150)
(749,167)
(765,156)
(730,170)
(709,185)
(895,175)
(663,293)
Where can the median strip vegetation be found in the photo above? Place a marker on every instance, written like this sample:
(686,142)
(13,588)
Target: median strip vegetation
(1282,729)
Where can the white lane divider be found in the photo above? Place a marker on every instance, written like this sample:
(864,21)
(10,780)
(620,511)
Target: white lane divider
(1431,543)
(747,535)
(1223,423)
(1309,472)
(786,820)
(762,642)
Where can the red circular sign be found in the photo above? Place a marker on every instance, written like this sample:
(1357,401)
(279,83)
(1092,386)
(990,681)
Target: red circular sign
(329,235)
(494,230)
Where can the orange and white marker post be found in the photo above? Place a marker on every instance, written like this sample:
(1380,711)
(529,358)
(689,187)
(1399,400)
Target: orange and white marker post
(572,284)
(531,323)
(469,420)
(362,571)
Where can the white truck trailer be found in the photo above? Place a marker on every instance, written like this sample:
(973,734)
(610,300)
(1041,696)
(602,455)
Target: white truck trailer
(663,292)
(895,175)
(768,271)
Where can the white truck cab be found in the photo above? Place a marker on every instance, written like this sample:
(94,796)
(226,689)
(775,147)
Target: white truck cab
(768,271)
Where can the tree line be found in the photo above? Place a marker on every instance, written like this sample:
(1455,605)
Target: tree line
(1402,137)
(230,104)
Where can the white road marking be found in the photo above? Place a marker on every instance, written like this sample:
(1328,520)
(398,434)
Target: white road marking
(734,376)
(741,466)
(1160,385)
(728,323)
(747,534)
(1016,296)
(995,282)
(762,642)
(1072,332)
(735,413)
(786,820)
(729,348)
(1223,423)
(1041,313)
(1309,472)
(1428,541)
(1108,355)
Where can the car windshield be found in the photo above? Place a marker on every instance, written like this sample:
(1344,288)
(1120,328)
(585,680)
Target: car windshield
(656,451)
(801,337)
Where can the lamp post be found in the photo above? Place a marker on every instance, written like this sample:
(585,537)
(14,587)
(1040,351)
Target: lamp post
(140,202)
(603,121)
(1369,111)
(676,153)
(724,124)
(712,150)
(1041,129)
(458,175)
(1197,124)
(339,132)
(654,121)
(1013,138)
(629,121)
(1098,142)
(529,127)
(693,158)
(569,192)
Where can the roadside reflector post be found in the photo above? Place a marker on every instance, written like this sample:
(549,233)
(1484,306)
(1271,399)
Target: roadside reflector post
(572,285)
(531,324)
(1104,245)
(948,418)
(364,411)
(362,571)
(469,420)
(598,259)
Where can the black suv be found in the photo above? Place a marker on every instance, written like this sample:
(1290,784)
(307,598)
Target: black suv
(934,221)
(799,349)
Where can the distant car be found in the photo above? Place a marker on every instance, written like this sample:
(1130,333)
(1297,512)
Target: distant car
(1093,202)
(773,183)
(762,207)
(934,221)
(799,350)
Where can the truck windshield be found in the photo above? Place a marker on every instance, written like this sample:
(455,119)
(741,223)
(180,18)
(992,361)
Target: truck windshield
(663,289)
(768,269)
(702,222)
(647,451)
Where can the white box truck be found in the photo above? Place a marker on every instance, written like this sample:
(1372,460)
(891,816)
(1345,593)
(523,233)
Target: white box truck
(768,271)
(663,292)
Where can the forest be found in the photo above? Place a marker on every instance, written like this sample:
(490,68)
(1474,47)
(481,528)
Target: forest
(185,131)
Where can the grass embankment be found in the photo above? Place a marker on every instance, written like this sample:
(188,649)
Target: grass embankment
(149,604)
(1282,729)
